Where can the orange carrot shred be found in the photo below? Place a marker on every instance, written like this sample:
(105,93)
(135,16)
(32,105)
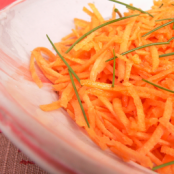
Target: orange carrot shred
(67,95)
(132,154)
(167,111)
(51,107)
(133,119)
(120,113)
(140,110)
(154,139)
(96,12)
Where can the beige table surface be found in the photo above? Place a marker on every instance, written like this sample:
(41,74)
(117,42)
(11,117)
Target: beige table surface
(12,160)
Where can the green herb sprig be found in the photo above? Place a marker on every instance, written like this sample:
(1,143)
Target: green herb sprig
(160,5)
(165,89)
(170,39)
(168,54)
(118,12)
(127,5)
(66,63)
(143,46)
(98,27)
(130,7)
(161,26)
(164,19)
(113,80)
(78,98)
(163,165)
(165,55)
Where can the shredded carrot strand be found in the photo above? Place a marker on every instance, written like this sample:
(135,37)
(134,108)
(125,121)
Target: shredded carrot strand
(132,118)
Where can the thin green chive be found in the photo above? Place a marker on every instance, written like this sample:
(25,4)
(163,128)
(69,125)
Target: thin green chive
(127,5)
(160,5)
(170,39)
(113,80)
(163,165)
(165,55)
(173,27)
(118,12)
(66,63)
(98,27)
(155,29)
(164,19)
(130,7)
(143,46)
(158,86)
(78,97)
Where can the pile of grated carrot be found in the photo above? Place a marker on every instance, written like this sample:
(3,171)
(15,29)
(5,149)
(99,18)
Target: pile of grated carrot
(134,119)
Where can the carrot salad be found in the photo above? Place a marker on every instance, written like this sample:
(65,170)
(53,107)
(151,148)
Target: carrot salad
(115,78)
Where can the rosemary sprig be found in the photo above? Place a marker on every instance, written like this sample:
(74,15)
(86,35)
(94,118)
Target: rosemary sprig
(66,63)
(164,19)
(143,46)
(165,55)
(113,80)
(163,165)
(170,39)
(98,27)
(127,5)
(158,86)
(161,26)
(78,97)
(118,12)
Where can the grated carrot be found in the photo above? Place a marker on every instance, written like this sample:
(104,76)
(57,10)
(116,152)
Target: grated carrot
(155,58)
(167,150)
(132,118)
(140,110)
(167,111)
(154,139)
(120,113)
(123,48)
(132,154)
(96,12)
(67,95)
(154,159)
(85,41)
(99,65)
(51,107)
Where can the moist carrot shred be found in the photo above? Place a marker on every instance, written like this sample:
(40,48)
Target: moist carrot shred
(133,119)
(167,111)
(154,139)
(96,12)
(50,107)
(120,113)
(167,150)
(140,110)
(67,95)
(155,58)
(123,48)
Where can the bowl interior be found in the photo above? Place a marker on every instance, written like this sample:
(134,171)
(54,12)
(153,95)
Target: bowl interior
(23,28)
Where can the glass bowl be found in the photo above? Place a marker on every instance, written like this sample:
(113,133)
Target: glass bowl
(51,139)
